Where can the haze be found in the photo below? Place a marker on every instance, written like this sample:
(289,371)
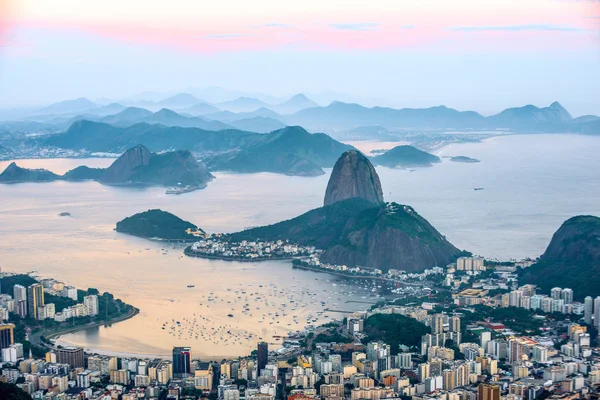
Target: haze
(482,56)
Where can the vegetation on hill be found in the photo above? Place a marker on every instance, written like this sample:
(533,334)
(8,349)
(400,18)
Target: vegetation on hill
(572,259)
(320,227)
(158,224)
(405,156)
(392,236)
(9,391)
(394,329)
(14,173)
(291,150)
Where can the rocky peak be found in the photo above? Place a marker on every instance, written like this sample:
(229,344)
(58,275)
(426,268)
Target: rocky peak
(353,176)
(122,169)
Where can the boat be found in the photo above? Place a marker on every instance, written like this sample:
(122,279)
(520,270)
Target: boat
(181,190)
(477,188)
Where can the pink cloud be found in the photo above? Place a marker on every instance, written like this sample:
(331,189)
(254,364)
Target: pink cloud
(477,27)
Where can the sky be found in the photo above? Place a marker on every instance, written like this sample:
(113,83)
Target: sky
(482,55)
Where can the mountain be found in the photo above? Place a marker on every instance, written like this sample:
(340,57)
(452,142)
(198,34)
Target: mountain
(404,157)
(530,116)
(392,236)
(321,227)
(291,150)
(295,104)
(180,100)
(340,115)
(158,224)
(572,259)
(139,166)
(228,116)
(84,173)
(586,118)
(122,169)
(174,168)
(257,124)
(168,117)
(353,176)
(102,137)
(355,231)
(128,116)
(69,106)
(200,109)
(241,104)
(14,174)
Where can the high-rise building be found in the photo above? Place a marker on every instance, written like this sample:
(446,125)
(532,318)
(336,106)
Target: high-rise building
(70,355)
(597,311)
(262,356)
(567,295)
(588,309)
(182,362)
(556,293)
(437,323)
(21,308)
(455,324)
(488,392)
(19,293)
(91,302)
(7,335)
(35,299)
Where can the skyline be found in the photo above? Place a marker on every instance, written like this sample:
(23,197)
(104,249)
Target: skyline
(464,55)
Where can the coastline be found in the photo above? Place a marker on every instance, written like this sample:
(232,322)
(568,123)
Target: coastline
(239,259)
(56,335)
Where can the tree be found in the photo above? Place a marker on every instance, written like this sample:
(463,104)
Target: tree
(8,391)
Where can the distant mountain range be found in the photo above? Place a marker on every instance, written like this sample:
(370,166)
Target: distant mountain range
(290,150)
(189,110)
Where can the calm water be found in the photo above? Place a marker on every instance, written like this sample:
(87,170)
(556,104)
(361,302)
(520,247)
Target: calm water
(532,184)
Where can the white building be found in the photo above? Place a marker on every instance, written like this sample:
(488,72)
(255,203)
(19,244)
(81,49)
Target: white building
(91,302)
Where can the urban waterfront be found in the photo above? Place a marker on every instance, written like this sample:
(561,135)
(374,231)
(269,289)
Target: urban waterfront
(513,217)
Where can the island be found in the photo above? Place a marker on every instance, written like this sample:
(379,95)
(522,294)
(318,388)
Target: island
(405,157)
(160,225)
(464,159)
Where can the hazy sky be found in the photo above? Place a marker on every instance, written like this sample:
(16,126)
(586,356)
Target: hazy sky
(483,55)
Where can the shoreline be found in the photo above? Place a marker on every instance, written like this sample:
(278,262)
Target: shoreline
(239,259)
(73,329)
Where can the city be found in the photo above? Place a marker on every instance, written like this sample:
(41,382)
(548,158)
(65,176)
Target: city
(485,337)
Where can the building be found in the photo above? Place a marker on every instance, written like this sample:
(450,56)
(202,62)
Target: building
(20,295)
(35,299)
(7,335)
(262,356)
(203,376)
(588,309)
(91,302)
(488,392)
(182,358)
(597,311)
(70,355)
